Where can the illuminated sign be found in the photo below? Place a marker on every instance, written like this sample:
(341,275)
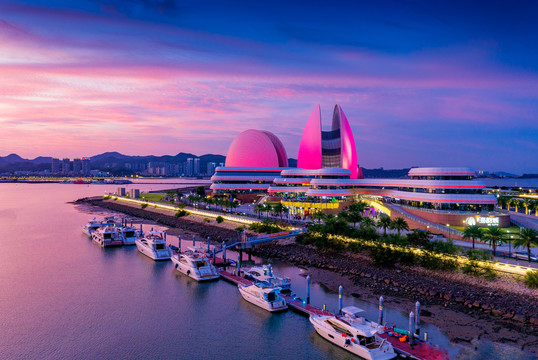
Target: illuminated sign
(482,220)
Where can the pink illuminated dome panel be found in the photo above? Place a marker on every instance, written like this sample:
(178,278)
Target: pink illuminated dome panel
(255,148)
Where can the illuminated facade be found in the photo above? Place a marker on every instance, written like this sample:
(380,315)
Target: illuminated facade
(328,149)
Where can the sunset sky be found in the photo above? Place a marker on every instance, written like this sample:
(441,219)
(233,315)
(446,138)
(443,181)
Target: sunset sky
(422,83)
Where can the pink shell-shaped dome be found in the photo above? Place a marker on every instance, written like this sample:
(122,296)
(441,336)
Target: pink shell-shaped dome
(254,148)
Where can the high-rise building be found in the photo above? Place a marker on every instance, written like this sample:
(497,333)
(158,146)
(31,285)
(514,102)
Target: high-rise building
(55,166)
(196,167)
(66,166)
(211,166)
(85,166)
(189,171)
(77,166)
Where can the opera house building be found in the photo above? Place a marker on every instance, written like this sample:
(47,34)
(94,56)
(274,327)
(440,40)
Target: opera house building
(328,179)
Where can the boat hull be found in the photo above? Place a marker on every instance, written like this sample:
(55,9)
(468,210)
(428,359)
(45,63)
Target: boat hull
(337,339)
(182,268)
(260,302)
(129,241)
(158,255)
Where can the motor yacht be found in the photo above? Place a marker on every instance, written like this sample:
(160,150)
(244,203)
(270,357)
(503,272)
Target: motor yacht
(129,234)
(265,273)
(91,226)
(352,332)
(153,245)
(195,262)
(264,295)
(107,236)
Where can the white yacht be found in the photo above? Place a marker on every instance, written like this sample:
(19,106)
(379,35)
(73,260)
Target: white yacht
(129,234)
(107,236)
(195,263)
(264,295)
(354,333)
(91,226)
(264,273)
(153,245)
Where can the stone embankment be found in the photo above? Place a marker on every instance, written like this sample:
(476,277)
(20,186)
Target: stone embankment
(462,296)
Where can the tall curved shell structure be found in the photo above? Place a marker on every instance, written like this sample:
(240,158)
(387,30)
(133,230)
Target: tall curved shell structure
(328,149)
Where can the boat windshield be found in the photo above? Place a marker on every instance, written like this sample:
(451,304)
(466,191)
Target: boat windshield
(159,246)
(271,296)
(200,263)
(338,327)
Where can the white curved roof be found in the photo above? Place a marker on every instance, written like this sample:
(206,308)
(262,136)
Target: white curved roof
(329,192)
(441,171)
(438,198)
(245,186)
(288,189)
(425,184)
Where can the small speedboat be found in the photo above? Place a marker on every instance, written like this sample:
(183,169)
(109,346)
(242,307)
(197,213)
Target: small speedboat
(91,226)
(106,236)
(153,245)
(195,263)
(265,273)
(264,295)
(352,332)
(129,234)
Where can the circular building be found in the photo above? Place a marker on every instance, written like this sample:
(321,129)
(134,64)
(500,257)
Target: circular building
(255,148)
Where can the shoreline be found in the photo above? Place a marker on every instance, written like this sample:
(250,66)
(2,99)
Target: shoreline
(463,311)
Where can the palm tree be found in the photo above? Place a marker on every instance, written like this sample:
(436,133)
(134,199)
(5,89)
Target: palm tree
(527,238)
(259,208)
(516,203)
(267,208)
(358,206)
(384,223)
(503,201)
(472,232)
(399,224)
(493,237)
(509,202)
(534,206)
(367,223)
(354,217)
(527,203)
(318,215)
(279,209)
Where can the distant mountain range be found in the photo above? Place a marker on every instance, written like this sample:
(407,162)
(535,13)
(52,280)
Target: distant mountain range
(116,160)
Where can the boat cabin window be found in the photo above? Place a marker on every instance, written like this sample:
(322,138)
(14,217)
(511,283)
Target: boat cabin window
(363,340)
(129,233)
(199,264)
(271,296)
(255,273)
(107,236)
(338,327)
(159,246)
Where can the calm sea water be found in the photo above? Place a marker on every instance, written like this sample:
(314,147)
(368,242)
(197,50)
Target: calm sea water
(62,297)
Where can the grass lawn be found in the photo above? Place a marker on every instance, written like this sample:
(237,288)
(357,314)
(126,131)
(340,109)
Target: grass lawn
(152,197)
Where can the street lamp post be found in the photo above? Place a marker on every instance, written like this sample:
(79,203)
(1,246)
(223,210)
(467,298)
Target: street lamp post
(448,225)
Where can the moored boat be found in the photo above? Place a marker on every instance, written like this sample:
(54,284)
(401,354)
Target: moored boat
(264,295)
(129,234)
(352,332)
(153,245)
(196,263)
(91,226)
(264,273)
(106,236)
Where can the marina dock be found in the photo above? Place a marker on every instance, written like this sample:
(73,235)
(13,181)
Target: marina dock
(421,350)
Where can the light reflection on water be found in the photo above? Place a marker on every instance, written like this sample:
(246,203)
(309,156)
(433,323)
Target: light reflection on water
(64,297)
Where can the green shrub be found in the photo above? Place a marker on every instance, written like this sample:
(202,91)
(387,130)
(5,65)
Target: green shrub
(219,219)
(240,229)
(531,279)
(107,197)
(207,220)
(268,226)
(383,256)
(479,254)
(144,205)
(444,247)
(155,206)
(477,268)
(433,261)
(182,213)
(115,198)
(355,246)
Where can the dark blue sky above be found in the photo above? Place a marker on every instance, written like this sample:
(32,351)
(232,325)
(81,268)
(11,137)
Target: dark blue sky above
(422,82)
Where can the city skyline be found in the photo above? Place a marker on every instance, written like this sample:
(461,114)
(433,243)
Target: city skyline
(422,84)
